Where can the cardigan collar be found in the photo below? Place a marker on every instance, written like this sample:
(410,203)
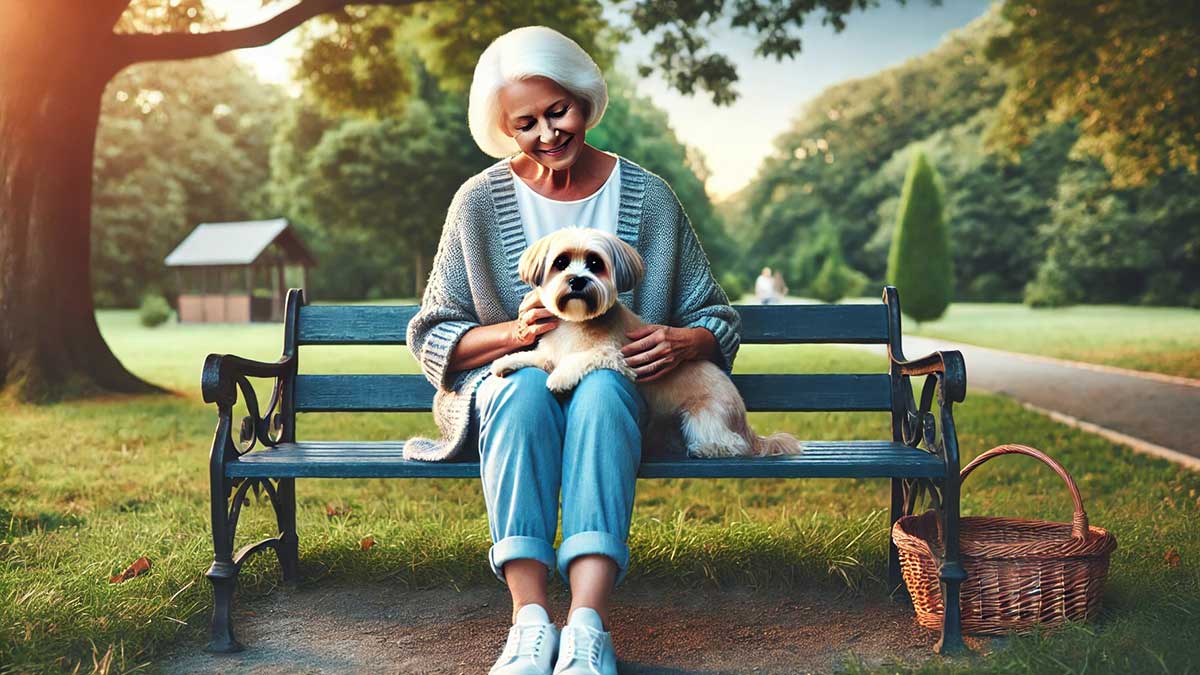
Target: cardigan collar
(512,230)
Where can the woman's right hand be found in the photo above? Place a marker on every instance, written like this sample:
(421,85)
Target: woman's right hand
(533,319)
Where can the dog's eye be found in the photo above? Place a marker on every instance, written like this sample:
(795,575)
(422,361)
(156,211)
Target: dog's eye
(594,263)
(561,262)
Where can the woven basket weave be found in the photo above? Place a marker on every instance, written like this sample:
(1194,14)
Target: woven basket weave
(1020,573)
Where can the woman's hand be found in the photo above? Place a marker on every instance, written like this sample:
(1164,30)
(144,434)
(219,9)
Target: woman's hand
(657,350)
(533,319)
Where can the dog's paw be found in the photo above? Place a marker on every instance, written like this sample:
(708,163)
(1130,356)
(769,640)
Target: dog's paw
(561,381)
(628,371)
(501,368)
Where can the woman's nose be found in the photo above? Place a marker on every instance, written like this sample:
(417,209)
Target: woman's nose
(547,134)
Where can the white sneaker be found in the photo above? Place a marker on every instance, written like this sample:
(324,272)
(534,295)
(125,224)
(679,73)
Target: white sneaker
(532,643)
(585,647)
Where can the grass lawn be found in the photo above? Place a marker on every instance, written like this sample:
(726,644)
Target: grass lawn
(88,487)
(1157,339)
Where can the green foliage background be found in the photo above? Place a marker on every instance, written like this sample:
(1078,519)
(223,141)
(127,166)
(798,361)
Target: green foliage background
(1046,223)
(1054,212)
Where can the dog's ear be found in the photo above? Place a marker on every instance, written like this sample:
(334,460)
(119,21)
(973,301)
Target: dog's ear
(532,265)
(627,264)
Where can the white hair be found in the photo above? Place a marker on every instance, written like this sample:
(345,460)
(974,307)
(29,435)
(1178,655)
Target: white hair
(522,53)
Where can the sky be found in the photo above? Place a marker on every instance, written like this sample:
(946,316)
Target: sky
(735,138)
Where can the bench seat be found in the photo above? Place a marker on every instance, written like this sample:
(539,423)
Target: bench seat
(385,459)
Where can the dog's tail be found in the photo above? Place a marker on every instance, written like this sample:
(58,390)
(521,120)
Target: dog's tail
(776,444)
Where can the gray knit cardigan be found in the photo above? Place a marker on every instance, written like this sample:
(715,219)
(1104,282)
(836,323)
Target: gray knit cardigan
(474,282)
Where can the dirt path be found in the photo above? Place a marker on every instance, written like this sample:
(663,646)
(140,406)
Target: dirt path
(372,627)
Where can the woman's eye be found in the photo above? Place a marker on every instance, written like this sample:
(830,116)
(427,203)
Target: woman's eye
(595,264)
(560,113)
(561,262)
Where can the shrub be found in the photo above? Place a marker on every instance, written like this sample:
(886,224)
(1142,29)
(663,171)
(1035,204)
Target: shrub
(1053,287)
(919,263)
(154,310)
(733,285)
(837,280)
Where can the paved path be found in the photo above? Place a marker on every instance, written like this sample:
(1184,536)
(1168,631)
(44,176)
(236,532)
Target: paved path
(1149,414)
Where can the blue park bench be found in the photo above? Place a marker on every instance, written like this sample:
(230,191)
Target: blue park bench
(261,449)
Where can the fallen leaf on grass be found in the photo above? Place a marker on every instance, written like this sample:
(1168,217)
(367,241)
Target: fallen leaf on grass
(139,566)
(1172,558)
(367,543)
(331,510)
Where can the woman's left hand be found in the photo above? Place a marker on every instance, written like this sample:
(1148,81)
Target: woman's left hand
(657,350)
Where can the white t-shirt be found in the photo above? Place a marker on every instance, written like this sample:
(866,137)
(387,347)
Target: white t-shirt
(541,215)
(764,287)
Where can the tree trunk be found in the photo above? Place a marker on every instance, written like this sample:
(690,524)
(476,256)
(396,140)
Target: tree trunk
(52,74)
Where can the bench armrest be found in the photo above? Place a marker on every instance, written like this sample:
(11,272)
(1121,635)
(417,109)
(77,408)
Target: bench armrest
(223,376)
(945,374)
(218,381)
(949,364)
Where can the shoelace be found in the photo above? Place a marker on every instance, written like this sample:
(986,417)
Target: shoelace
(567,649)
(529,639)
(594,650)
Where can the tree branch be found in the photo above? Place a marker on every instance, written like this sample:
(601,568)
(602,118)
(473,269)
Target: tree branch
(137,48)
(112,9)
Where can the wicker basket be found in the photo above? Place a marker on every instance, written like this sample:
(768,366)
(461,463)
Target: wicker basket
(1020,573)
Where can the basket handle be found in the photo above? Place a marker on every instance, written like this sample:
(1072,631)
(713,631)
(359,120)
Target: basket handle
(1079,522)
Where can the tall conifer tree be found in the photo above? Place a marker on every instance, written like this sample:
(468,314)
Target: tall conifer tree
(919,263)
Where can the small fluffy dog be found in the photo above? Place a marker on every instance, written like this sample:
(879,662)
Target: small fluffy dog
(577,274)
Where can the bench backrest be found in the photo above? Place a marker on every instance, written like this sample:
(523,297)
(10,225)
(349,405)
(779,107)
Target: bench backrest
(769,324)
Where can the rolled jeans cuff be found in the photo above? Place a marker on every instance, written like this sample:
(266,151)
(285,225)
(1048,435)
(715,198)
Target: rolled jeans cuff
(515,548)
(592,543)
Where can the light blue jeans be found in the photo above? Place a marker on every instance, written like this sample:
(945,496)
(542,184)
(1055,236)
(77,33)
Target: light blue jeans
(533,443)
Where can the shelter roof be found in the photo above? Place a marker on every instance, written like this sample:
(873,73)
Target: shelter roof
(238,243)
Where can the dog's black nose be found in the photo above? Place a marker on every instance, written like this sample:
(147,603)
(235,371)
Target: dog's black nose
(578,283)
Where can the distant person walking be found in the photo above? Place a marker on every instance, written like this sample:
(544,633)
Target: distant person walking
(764,287)
(781,288)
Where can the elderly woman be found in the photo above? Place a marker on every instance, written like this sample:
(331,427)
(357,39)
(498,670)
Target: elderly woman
(534,95)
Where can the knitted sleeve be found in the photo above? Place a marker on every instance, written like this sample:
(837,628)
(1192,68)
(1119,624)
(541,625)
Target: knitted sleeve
(699,300)
(447,310)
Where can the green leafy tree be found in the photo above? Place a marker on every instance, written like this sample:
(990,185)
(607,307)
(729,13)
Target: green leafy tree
(57,56)
(372,193)
(1126,70)
(993,207)
(214,113)
(820,244)
(919,264)
(1106,245)
(826,161)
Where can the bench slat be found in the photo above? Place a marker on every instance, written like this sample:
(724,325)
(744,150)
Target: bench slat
(814,324)
(764,324)
(385,459)
(413,393)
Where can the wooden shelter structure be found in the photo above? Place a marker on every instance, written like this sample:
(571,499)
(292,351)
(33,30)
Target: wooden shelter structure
(238,272)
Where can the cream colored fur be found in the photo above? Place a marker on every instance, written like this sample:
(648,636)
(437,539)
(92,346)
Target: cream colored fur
(592,332)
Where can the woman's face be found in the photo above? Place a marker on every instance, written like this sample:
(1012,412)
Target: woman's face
(533,109)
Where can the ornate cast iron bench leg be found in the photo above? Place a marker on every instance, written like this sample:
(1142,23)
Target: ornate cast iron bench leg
(223,573)
(288,548)
(951,574)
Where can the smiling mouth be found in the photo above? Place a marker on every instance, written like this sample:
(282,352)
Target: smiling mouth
(559,149)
